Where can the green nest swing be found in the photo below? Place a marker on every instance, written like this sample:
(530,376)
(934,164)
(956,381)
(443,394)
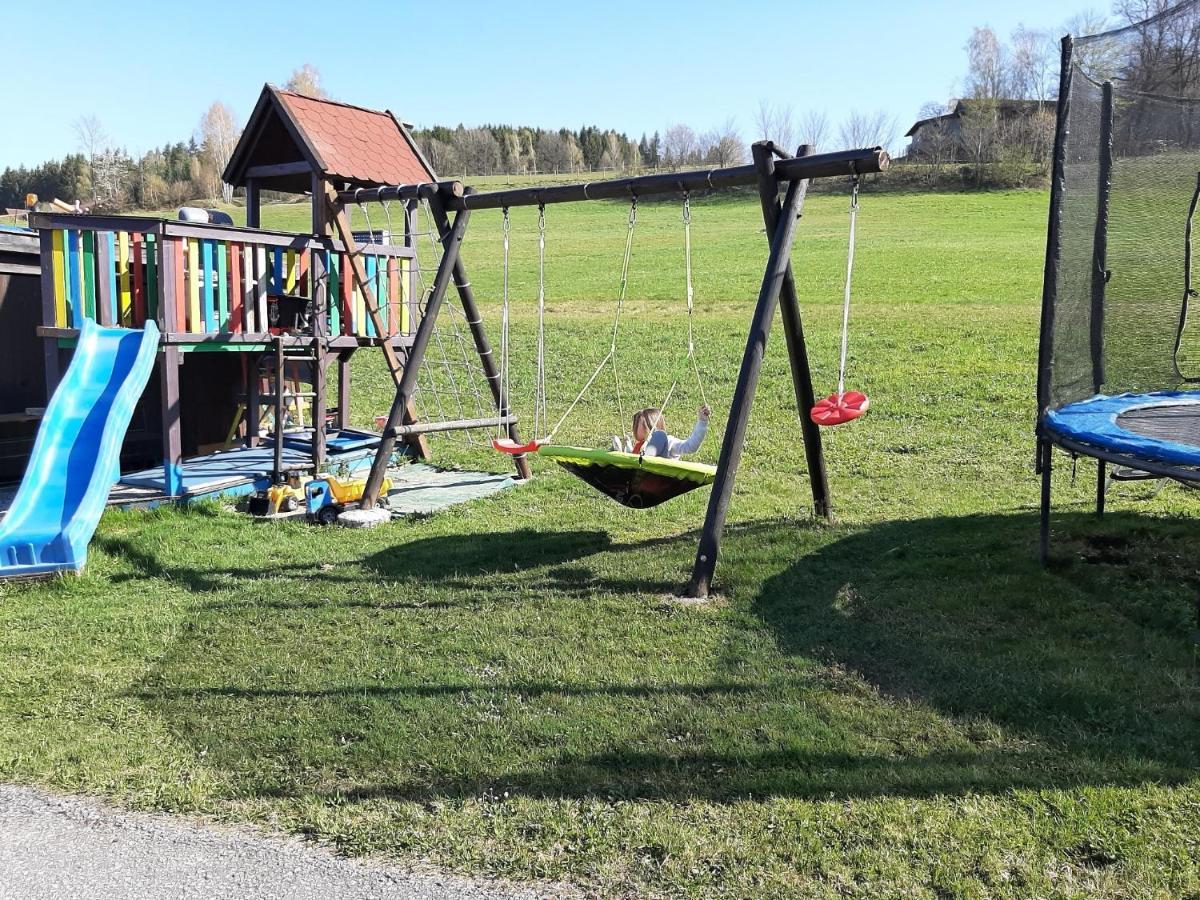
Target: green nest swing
(632,479)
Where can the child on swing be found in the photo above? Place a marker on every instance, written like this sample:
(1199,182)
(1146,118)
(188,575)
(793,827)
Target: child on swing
(650,436)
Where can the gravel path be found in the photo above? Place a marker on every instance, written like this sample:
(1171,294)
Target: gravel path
(58,847)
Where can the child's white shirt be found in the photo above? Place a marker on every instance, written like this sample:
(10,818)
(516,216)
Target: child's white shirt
(667,445)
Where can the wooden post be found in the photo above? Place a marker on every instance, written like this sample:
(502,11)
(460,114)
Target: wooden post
(488,362)
(254,204)
(341,224)
(793,330)
(408,377)
(320,404)
(319,288)
(743,396)
(320,219)
(279,382)
(50,359)
(343,416)
(253,399)
(172,432)
(169,361)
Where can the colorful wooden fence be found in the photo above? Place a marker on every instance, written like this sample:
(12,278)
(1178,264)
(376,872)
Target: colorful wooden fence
(217,284)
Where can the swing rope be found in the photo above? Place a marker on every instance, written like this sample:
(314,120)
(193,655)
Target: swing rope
(844,406)
(611,356)
(540,418)
(841,390)
(505,378)
(691,297)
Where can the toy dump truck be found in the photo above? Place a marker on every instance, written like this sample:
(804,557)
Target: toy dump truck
(327,497)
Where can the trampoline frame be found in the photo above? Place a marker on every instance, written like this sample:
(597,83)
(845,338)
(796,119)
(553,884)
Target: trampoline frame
(1047,437)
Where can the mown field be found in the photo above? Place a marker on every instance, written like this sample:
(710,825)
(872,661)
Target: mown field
(900,704)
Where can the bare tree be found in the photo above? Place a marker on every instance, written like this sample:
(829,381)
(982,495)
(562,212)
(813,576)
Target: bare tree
(218,135)
(93,141)
(478,151)
(723,146)
(776,124)
(612,157)
(1032,64)
(442,156)
(680,146)
(814,128)
(1099,59)
(306,80)
(867,129)
(987,66)
(558,152)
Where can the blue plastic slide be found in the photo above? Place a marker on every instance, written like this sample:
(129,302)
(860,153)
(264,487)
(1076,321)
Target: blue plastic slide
(76,457)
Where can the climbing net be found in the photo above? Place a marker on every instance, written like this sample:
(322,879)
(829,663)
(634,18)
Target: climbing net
(451,383)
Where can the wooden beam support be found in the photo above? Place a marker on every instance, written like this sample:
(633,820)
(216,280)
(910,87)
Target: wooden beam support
(408,378)
(482,346)
(452,425)
(172,427)
(825,165)
(253,204)
(277,467)
(743,396)
(793,330)
(274,170)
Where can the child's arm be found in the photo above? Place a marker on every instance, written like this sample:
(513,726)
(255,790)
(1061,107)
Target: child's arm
(677,448)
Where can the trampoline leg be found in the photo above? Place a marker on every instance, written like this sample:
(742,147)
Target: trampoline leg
(1044,537)
(1101,484)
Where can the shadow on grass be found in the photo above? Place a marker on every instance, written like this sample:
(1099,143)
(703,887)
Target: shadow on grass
(457,561)
(909,659)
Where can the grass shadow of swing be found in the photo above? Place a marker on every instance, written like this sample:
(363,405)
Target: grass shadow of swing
(907,659)
(446,562)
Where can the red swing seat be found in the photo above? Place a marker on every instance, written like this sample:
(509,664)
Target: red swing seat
(837,409)
(512,448)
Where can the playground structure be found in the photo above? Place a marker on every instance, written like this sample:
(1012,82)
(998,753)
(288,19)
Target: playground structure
(1118,354)
(250,319)
(773,171)
(278,302)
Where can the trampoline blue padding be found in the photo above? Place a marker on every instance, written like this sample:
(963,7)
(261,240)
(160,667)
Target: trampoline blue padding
(1162,427)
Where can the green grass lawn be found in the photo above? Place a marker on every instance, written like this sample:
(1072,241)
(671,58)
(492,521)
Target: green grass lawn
(900,704)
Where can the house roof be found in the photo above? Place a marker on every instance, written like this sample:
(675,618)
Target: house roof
(296,136)
(1007,108)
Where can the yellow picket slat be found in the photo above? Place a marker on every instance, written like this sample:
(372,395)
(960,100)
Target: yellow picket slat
(123,278)
(195,320)
(404,296)
(58,264)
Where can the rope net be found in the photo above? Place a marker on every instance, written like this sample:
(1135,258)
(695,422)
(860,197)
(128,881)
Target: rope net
(451,382)
(1120,287)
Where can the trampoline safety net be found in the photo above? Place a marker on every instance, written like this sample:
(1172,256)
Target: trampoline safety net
(1115,307)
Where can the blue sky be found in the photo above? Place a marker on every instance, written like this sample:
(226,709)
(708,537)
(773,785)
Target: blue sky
(149,75)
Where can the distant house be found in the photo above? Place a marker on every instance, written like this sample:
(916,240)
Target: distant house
(940,137)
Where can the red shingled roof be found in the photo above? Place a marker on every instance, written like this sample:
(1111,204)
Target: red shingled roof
(356,144)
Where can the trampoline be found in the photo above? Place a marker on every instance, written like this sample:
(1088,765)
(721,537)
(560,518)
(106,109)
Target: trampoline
(1161,427)
(1118,360)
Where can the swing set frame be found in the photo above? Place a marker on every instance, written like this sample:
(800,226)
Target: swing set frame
(773,171)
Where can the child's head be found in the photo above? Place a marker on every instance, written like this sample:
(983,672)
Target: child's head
(646,421)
